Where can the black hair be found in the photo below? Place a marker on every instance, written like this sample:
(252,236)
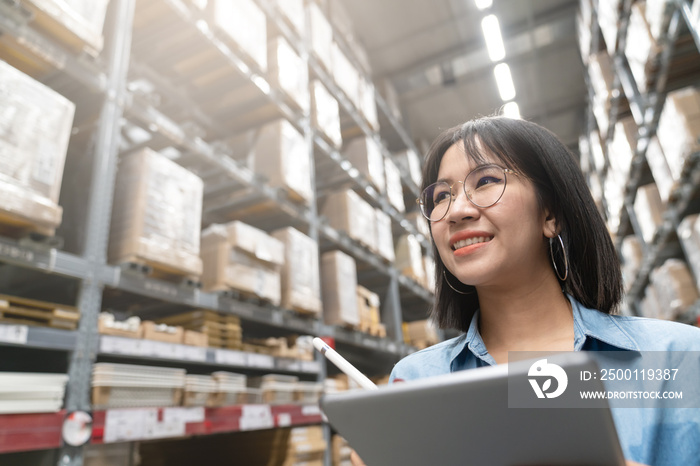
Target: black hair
(594,278)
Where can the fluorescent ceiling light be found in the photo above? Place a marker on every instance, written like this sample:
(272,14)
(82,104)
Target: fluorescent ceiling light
(504,81)
(492,35)
(511,110)
(483,4)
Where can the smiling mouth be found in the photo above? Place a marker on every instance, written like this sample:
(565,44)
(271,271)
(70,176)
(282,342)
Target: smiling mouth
(469,241)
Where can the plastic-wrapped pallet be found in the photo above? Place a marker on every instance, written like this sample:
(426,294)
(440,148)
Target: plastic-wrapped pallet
(284,65)
(659,169)
(632,254)
(76,23)
(245,23)
(365,154)
(640,46)
(156,215)
(409,258)
(321,36)
(347,211)
(28,392)
(368,103)
(301,287)
(241,257)
(293,11)
(282,155)
(346,75)
(409,162)
(325,113)
(385,236)
(35,126)
(679,128)
(624,143)
(338,283)
(689,235)
(394,186)
(649,210)
(675,289)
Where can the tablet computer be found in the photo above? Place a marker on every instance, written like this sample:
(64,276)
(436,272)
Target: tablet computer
(464,418)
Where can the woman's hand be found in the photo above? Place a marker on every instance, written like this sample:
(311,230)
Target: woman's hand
(357,461)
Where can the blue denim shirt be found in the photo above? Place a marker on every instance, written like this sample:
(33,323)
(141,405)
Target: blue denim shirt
(650,436)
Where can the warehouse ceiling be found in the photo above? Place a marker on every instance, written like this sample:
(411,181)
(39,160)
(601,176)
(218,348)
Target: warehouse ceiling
(434,53)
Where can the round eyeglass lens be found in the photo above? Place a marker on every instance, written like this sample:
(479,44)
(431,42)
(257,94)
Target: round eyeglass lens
(485,186)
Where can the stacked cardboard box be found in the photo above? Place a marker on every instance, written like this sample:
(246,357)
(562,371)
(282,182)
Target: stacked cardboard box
(75,23)
(345,75)
(282,155)
(601,75)
(689,235)
(660,170)
(622,148)
(365,154)
(156,215)
(325,113)
(338,283)
(340,451)
(394,186)
(245,24)
(368,309)
(420,333)
(243,258)
(641,48)
(276,388)
(679,128)
(346,211)
(284,71)
(649,210)
(409,258)
(321,36)
(670,292)
(221,330)
(368,103)
(301,287)
(306,447)
(385,236)
(35,126)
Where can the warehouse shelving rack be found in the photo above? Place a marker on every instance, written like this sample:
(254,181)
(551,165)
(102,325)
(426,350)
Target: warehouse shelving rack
(646,110)
(112,79)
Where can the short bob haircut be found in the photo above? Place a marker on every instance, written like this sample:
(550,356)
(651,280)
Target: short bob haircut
(594,279)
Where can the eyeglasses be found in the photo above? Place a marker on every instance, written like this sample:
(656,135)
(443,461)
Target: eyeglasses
(483,186)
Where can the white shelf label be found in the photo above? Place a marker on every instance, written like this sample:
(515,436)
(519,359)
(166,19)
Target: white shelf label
(261,360)
(234,358)
(159,349)
(284,419)
(256,417)
(310,410)
(142,424)
(310,366)
(183,415)
(16,334)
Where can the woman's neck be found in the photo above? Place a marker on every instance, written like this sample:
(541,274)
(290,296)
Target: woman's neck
(532,318)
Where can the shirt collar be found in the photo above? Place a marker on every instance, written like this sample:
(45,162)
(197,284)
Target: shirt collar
(588,323)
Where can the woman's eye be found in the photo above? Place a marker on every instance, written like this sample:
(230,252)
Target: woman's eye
(486,180)
(440,196)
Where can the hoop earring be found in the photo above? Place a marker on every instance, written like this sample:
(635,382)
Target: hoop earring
(453,288)
(554,263)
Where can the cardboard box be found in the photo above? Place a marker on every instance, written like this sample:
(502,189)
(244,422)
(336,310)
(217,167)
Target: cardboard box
(107,325)
(194,338)
(245,23)
(674,287)
(345,75)
(387,90)
(640,48)
(77,24)
(368,103)
(301,287)
(365,154)
(282,155)
(385,236)
(346,211)
(660,169)
(368,309)
(420,333)
(394,185)
(156,214)
(622,148)
(325,114)
(35,127)
(338,284)
(679,128)
(161,332)
(409,258)
(241,257)
(321,36)
(608,19)
(284,71)
(649,211)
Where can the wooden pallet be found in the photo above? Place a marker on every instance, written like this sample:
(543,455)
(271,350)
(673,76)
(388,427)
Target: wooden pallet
(32,312)
(154,270)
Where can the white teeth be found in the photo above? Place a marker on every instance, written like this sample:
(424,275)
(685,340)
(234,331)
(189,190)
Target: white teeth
(468,242)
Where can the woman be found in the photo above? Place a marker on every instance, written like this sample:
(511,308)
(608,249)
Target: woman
(524,262)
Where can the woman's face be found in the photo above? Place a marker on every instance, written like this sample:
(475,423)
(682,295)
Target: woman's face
(497,245)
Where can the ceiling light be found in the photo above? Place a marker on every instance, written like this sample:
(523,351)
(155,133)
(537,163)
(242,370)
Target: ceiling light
(511,110)
(492,35)
(483,4)
(504,80)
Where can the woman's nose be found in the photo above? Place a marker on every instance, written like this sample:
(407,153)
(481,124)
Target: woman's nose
(461,206)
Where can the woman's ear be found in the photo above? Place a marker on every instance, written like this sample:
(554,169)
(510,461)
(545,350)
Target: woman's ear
(550,228)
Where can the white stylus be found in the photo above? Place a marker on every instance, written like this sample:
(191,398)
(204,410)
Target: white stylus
(342,364)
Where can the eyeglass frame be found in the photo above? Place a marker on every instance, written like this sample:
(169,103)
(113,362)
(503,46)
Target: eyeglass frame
(506,171)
